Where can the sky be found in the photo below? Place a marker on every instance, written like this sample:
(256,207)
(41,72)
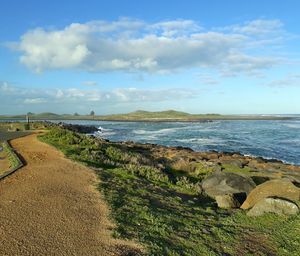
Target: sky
(217,56)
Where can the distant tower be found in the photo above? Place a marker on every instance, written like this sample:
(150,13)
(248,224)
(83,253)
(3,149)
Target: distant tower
(27,124)
(27,119)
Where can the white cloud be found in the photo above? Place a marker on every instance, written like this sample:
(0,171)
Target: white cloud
(206,79)
(89,83)
(175,27)
(288,80)
(35,101)
(133,45)
(55,49)
(6,88)
(76,96)
(259,27)
(250,65)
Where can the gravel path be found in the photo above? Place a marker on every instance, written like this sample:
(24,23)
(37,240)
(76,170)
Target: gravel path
(51,207)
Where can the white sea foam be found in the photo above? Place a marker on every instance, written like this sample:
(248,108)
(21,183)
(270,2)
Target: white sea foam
(292,141)
(269,158)
(108,133)
(104,132)
(157,132)
(294,126)
(173,130)
(104,129)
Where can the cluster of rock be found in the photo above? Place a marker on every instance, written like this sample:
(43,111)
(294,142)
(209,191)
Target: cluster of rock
(254,184)
(232,190)
(86,129)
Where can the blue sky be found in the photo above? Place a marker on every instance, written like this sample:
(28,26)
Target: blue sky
(225,56)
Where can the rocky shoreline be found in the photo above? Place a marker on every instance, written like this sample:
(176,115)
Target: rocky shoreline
(85,129)
(233,180)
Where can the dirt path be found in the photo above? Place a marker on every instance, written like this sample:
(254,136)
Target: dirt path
(51,207)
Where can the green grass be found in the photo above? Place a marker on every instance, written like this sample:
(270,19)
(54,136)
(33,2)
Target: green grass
(163,210)
(236,169)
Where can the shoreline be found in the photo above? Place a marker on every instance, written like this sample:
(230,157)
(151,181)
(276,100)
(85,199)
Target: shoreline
(90,130)
(93,132)
(262,158)
(218,160)
(220,153)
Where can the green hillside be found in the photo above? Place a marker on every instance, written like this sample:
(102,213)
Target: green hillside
(141,114)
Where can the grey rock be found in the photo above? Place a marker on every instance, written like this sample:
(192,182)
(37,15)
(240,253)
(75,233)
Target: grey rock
(223,183)
(273,205)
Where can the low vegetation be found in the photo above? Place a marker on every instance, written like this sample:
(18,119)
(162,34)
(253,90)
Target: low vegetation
(160,203)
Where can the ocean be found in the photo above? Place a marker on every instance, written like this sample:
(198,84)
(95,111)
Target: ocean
(278,139)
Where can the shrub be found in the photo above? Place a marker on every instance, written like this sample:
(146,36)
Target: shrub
(184,183)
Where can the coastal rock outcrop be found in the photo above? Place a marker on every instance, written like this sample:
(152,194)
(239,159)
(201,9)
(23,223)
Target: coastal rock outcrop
(278,188)
(222,183)
(273,205)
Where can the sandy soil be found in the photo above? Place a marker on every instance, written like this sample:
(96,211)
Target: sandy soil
(51,207)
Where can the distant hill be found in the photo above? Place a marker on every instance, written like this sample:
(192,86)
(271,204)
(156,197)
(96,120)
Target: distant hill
(141,114)
(46,115)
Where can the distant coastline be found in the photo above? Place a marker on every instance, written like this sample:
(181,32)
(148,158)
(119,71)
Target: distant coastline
(146,116)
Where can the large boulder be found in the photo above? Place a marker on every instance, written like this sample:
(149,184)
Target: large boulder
(273,205)
(279,188)
(225,183)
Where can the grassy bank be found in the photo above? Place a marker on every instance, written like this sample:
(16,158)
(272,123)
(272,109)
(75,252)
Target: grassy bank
(12,157)
(10,161)
(165,210)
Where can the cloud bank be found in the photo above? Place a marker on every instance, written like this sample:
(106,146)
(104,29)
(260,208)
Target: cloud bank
(137,46)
